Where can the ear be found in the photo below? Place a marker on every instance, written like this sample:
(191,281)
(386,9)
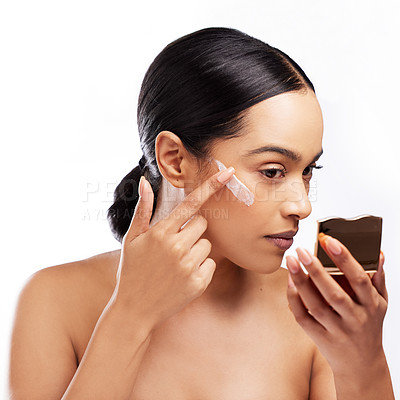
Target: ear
(173,160)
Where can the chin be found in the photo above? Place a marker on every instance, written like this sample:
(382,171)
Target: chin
(263,266)
(273,264)
(270,269)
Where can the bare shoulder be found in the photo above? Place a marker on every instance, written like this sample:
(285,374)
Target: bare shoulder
(63,292)
(56,312)
(97,267)
(75,279)
(76,292)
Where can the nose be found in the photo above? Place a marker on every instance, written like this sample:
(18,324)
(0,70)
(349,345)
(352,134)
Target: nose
(296,201)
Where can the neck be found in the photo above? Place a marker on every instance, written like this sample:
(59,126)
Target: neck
(234,287)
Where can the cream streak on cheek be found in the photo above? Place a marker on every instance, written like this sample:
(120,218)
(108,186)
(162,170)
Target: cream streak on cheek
(238,189)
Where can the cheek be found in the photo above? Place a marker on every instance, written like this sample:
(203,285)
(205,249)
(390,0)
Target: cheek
(223,209)
(236,232)
(275,193)
(231,218)
(229,228)
(226,215)
(269,192)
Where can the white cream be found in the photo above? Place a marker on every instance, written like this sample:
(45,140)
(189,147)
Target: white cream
(239,189)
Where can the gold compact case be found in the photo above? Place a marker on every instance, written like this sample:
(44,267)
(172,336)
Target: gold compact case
(361,235)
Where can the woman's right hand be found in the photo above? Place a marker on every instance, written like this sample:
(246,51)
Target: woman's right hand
(163,268)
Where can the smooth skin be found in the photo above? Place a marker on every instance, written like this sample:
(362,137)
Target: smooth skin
(202,312)
(142,299)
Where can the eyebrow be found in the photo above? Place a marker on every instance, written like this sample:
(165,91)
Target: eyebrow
(285,152)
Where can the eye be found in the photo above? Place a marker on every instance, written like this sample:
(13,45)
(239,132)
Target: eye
(272,173)
(309,170)
(276,173)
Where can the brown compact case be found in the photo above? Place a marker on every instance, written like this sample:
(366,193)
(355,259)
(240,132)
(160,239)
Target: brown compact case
(361,236)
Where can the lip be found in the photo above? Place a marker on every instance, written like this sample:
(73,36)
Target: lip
(284,235)
(282,240)
(282,243)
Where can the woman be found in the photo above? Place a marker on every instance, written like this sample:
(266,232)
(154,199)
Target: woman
(195,304)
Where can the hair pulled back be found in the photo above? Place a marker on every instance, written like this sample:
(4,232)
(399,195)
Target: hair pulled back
(198,88)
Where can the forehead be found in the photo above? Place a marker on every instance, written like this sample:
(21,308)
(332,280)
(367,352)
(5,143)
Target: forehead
(290,120)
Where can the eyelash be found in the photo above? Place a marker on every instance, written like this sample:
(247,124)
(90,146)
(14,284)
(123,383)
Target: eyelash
(284,170)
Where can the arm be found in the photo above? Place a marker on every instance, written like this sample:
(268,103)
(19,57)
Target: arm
(114,346)
(322,382)
(370,382)
(348,332)
(42,359)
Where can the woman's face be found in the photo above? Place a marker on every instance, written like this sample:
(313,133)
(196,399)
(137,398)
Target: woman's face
(274,158)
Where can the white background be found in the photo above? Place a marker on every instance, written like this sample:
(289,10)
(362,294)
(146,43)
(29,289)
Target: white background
(70,76)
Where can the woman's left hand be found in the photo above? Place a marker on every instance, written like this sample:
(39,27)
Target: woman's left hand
(347,332)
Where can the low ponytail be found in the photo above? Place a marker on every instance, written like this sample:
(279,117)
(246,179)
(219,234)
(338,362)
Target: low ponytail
(126,196)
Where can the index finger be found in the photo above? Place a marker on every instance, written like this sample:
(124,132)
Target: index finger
(194,200)
(358,278)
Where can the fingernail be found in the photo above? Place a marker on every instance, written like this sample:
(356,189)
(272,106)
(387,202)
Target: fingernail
(292,265)
(141,186)
(290,282)
(225,175)
(304,256)
(381,260)
(148,194)
(322,237)
(333,246)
